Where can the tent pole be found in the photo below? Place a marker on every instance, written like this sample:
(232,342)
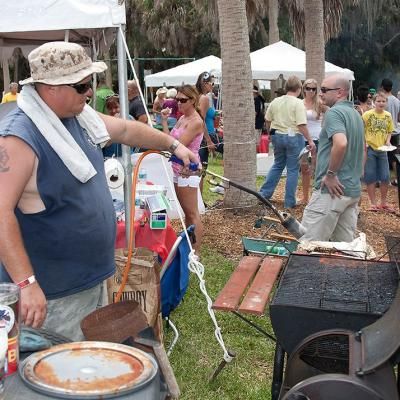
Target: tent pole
(126,150)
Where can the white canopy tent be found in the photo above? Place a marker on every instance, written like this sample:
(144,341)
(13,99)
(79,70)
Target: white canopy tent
(284,59)
(92,23)
(185,73)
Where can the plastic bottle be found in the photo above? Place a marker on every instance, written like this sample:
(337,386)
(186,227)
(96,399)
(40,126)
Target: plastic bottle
(142,176)
(142,180)
(277,250)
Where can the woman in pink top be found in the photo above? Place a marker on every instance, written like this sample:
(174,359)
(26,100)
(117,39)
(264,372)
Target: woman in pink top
(189,131)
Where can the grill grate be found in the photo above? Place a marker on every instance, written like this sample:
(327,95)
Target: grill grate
(337,284)
(329,354)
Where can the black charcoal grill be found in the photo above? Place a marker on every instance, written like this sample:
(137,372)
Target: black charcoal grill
(343,356)
(317,293)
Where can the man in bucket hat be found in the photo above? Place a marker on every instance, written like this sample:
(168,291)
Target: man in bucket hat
(57,225)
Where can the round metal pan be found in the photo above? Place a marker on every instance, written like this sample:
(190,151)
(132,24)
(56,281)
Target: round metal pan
(89,370)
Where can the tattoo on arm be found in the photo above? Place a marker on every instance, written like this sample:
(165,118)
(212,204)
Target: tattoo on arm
(4,158)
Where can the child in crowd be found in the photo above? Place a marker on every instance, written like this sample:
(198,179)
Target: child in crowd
(378,128)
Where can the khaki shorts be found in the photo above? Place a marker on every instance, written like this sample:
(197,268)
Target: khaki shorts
(327,219)
(64,315)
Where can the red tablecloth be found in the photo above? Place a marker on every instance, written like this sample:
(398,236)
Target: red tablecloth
(158,240)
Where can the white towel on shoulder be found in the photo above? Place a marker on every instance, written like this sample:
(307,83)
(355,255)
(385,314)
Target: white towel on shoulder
(58,136)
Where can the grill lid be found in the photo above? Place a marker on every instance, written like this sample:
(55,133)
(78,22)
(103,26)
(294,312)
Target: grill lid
(381,340)
(88,370)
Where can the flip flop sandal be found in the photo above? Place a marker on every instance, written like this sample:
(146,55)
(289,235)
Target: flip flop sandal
(387,208)
(373,208)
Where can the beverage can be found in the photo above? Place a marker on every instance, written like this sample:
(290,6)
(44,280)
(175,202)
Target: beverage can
(9,320)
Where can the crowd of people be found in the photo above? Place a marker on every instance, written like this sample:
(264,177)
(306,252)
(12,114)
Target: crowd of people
(57,230)
(349,143)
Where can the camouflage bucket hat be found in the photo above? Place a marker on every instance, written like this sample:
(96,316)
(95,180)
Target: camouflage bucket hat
(61,63)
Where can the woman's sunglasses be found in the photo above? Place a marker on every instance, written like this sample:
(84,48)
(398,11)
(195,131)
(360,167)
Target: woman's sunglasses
(182,100)
(81,88)
(310,89)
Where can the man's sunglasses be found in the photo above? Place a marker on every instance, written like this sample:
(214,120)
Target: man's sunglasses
(325,89)
(182,100)
(310,89)
(81,88)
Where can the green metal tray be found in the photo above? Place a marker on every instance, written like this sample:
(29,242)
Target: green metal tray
(263,246)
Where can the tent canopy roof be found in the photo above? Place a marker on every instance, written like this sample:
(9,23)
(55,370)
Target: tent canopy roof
(185,73)
(27,24)
(283,58)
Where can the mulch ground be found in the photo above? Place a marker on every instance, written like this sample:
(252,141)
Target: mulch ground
(225,228)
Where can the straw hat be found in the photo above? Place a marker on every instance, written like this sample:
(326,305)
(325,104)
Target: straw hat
(61,63)
(162,90)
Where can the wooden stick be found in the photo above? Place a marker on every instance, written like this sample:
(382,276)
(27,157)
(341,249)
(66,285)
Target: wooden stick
(285,237)
(271,219)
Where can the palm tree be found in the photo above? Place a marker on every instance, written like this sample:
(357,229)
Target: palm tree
(237,102)
(315,22)
(307,16)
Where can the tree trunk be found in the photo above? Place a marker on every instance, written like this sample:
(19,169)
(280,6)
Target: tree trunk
(237,101)
(273,14)
(314,39)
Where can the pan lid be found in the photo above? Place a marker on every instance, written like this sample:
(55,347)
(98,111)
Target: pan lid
(88,370)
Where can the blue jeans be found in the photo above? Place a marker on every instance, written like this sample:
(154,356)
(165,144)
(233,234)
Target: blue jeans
(286,150)
(376,167)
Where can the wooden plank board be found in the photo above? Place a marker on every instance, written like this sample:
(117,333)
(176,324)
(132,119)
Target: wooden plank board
(258,294)
(229,297)
(284,237)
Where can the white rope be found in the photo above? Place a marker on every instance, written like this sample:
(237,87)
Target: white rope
(194,265)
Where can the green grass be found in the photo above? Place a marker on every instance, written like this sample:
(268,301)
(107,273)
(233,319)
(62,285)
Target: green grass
(197,352)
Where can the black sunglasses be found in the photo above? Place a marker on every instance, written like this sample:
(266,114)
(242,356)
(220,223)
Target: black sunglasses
(182,100)
(310,89)
(81,88)
(325,89)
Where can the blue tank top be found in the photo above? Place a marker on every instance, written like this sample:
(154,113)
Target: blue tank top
(71,243)
(209,120)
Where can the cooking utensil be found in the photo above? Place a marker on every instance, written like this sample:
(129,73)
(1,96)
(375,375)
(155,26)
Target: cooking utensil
(146,337)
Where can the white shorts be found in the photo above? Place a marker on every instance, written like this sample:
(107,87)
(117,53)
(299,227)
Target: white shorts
(190,181)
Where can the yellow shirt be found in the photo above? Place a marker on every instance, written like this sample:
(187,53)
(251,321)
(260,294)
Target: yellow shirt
(9,97)
(285,113)
(378,126)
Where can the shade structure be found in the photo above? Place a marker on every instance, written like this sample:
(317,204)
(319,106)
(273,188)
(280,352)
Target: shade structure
(185,73)
(27,24)
(282,58)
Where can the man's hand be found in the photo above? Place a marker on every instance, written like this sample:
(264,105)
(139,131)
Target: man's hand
(33,306)
(183,153)
(312,147)
(333,185)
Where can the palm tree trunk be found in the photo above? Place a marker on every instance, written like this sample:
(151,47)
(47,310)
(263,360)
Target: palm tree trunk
(314,39)
(273,14)
(237,102)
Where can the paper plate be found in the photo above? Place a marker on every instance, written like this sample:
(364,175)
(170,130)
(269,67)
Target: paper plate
(387,148)
(88,370)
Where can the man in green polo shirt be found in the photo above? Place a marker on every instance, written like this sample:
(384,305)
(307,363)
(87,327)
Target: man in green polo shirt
(333,209)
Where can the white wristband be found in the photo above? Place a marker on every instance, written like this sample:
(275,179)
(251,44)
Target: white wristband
(28,281)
